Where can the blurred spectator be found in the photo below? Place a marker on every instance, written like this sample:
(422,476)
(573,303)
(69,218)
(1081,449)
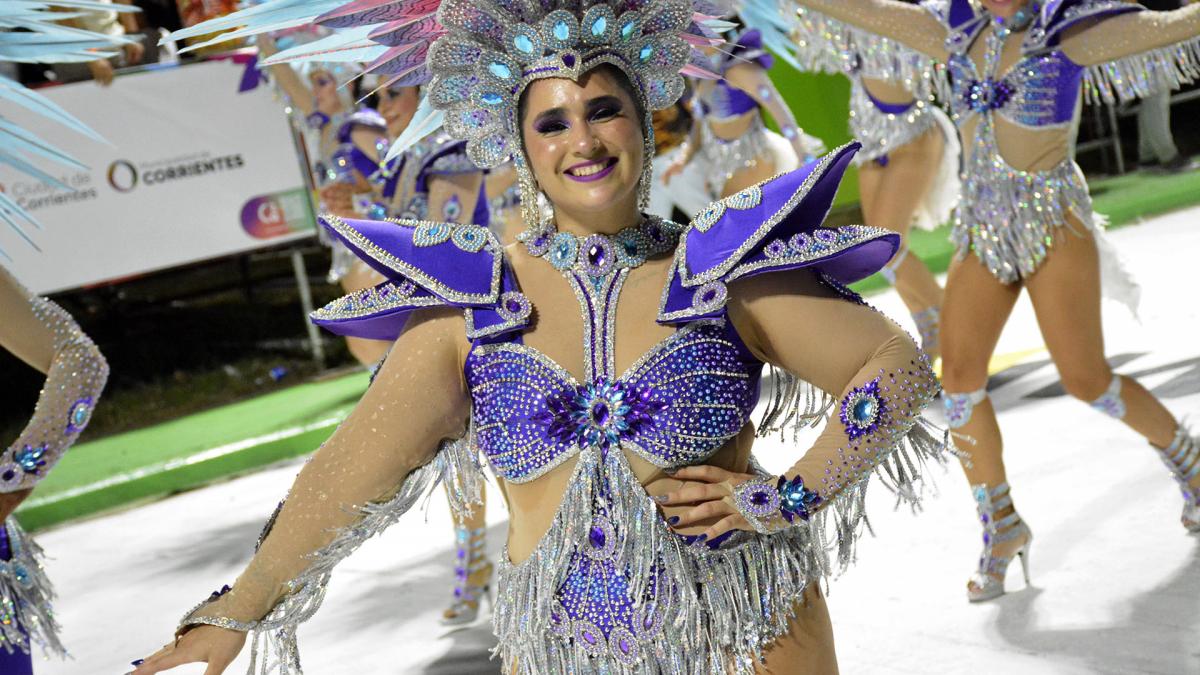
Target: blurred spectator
(145,50)
(1156,145)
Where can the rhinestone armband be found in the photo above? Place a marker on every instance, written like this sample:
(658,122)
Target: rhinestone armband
(760,501)
(191,620)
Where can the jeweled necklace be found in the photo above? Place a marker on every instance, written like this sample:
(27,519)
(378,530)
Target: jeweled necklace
(1017,22)
(597,255)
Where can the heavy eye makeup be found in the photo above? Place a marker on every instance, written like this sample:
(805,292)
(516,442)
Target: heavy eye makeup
(598,110)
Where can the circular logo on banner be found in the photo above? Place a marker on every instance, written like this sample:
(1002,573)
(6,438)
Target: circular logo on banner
(122,175)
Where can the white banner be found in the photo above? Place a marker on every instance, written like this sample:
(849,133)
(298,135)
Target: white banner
(196,169)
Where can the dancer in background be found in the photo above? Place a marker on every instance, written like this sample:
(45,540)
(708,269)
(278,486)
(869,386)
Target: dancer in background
(908,169)
(728,136)
(687,192)
(1025,219)
(606,366)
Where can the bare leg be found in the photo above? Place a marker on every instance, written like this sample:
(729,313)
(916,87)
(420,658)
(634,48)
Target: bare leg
(976,308)
(890,197)
(974,313)
(1066,298)
(472,569)
(807,648)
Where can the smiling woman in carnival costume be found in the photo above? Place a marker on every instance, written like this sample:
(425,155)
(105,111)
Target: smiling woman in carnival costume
(1017,71)
(605,367)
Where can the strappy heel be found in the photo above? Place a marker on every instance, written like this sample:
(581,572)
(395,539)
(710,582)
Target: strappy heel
(1182,457)
(988,581)
(470,559)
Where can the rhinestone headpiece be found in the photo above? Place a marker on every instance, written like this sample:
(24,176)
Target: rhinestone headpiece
(493,49)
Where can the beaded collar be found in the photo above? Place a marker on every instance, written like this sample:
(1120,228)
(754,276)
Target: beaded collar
(598,254)
(1019,21)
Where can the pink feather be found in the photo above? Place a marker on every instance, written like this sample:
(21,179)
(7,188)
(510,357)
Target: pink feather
(692,70)
(370,12)
(397,33)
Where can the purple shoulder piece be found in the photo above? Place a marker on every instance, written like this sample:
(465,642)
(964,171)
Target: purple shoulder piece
(771,227)
(1056,16)
(953,14)
(962,21)
(749,47)
(363,117)
(447,157)
(426,264)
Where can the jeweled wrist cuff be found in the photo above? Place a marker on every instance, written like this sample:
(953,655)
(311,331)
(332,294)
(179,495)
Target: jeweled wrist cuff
(762,502)
(190,620)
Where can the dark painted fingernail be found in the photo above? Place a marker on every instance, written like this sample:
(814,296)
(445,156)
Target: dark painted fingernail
(137,663)
(672,520)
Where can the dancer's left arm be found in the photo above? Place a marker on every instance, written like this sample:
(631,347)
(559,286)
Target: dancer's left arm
(1130,34)
(43,335)
(755,81)
(794,321)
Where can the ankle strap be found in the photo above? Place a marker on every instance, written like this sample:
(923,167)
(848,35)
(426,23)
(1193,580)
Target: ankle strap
(989,501)
(996,497)
(1183,455)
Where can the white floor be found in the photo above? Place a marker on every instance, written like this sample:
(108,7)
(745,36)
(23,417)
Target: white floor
(1116,580)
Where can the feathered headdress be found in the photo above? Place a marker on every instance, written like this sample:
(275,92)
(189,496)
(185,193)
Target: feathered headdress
(29,34)
(478,56)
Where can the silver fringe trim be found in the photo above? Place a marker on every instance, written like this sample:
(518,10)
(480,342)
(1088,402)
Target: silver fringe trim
(824,44)
(273,646)
(727,157)
(727,605)
(792,404)
(880,132)
(1143,74)
(25,595)
(1010,218)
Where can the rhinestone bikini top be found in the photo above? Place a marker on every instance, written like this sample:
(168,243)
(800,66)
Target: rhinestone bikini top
(683,399)
(1039,90)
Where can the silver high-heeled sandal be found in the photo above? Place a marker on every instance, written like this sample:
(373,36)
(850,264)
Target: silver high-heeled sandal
(1182,457)
(470,558)
(988,581)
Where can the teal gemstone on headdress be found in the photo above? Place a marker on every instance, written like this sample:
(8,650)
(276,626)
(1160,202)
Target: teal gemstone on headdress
(645,53)
(491,98)
(628,28)
(561,30)
(500,70)
(599,26)
(523,43)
